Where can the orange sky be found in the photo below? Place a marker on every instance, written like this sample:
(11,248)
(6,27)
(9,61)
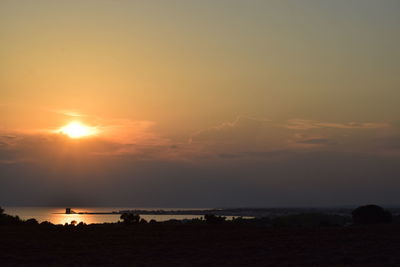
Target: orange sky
(179,93)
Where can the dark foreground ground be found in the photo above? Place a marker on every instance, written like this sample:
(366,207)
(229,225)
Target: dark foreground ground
(199,245)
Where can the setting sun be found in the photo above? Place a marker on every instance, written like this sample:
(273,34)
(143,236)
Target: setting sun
(76,129)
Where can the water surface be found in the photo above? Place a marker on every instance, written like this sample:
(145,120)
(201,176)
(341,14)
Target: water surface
(57,215)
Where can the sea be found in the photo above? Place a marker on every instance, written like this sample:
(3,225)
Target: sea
(56,215)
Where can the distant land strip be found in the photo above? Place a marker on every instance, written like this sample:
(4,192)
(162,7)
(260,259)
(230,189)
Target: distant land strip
(245,212)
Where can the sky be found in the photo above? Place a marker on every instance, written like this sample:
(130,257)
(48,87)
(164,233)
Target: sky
(200,103)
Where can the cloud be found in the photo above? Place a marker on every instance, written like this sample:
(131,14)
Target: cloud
(316,141)
(243,138)
(248,137)
(300,124)
(69,113)
(229,156)
(241,122)
(116,137)
(247,161)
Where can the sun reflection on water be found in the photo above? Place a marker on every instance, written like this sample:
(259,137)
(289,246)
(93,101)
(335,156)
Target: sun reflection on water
(58,216)
(68,218)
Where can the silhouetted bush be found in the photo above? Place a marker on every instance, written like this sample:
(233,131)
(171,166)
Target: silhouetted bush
(213,219)
(241,220)
(237,219)
(31,221)
(172,222)
(46,223)
(6,219)
(371,214)
(199,220)
(130,218)
(309,220)
(265,221)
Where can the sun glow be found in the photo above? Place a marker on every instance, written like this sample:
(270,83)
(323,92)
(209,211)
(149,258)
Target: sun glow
(76,129)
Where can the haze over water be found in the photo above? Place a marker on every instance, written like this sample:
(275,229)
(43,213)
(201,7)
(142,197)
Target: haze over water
(56,215)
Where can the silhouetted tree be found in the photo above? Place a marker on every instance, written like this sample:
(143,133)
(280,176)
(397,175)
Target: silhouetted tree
(371,214)
(31,222)
(197,220)
(213,219)
(46,223)
(6,219)
(1,211)
(237,219)
(130,218)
